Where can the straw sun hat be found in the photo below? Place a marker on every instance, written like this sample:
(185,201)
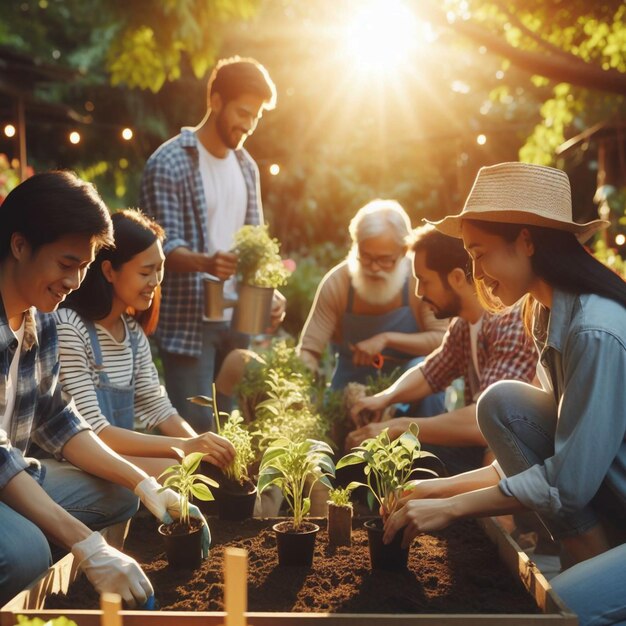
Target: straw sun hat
(520,193)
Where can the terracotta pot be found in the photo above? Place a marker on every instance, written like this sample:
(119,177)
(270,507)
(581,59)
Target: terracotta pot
(235,502)
(183,544)
(339,524)
(385,556)
(295,547)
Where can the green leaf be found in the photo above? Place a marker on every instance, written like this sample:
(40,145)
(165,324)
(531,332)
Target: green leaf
(192,461)
(350,459)
(206,480)
(354,484)
(202,492)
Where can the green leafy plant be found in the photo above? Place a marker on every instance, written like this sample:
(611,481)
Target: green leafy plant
(389,466)
(181,478)
(234,430)
(340,496)
(287,412)
(259,261)
(294,467)
(382,381)
(280,357)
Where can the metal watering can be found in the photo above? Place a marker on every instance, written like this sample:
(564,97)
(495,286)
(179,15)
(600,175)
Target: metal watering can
(252,307)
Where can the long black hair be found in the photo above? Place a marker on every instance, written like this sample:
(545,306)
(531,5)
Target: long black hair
(562,261)
(134,232)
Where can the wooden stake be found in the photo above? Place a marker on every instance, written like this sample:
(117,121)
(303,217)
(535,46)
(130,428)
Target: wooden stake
(235,586)
(111,605)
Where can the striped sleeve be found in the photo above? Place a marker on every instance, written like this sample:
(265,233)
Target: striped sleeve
(77,376)
(152,405)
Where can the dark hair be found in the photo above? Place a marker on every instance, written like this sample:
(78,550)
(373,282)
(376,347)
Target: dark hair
(561,260)
(47,206)
(236,77)
(443,253)
(134,232)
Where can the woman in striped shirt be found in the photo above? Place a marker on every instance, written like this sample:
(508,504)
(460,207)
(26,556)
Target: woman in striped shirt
(106,363)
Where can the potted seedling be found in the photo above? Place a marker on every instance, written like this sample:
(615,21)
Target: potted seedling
(183,537)
(388,467)
(294,467)
(259,271)
(236,494)
(339,517)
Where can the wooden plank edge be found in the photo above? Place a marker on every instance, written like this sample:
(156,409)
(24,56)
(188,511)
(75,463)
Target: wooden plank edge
(181,618)
(522,567)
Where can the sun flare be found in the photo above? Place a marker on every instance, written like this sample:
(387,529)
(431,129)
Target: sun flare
(382,35)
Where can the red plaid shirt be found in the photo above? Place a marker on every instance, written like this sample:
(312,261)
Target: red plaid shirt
(504,351)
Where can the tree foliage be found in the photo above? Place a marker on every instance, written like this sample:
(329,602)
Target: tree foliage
(576,48)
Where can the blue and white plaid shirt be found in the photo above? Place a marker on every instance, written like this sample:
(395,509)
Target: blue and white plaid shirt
(43,413)
(172,193)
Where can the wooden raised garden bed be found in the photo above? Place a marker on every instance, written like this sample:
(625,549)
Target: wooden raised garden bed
(297,605)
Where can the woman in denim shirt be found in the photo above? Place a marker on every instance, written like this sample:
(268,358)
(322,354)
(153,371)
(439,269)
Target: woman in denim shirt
(561,448)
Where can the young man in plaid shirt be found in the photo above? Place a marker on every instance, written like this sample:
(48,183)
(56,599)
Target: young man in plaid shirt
(202,186)
(481,347)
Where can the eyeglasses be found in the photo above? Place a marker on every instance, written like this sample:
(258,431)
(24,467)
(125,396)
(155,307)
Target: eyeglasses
(385,262)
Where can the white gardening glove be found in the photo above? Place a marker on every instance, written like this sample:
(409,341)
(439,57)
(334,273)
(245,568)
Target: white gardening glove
(109,570)
(165,505)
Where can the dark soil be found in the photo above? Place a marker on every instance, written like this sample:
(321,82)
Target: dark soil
(453,571)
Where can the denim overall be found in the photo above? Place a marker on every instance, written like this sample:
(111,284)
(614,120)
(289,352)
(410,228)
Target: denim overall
(357,327)
(117,403)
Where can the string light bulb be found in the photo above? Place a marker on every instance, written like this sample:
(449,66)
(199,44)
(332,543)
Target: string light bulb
(9,130)
(127,134)
(74,137)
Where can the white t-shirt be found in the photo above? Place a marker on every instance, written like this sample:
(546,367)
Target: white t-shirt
(226,199)
(11,386)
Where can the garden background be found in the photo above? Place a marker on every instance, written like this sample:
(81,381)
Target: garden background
(399,99)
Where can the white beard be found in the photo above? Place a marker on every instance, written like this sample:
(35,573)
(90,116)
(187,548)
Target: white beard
(380,290)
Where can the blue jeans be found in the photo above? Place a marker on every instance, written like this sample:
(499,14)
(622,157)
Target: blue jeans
(596,589)
(24,549)
(518,421)
(187,376)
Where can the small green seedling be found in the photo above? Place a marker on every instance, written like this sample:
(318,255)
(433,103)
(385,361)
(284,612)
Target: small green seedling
(340,496)
(181,478)
(389,466)
(294,466)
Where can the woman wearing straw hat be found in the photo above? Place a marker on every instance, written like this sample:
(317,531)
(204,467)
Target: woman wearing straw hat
(560,449)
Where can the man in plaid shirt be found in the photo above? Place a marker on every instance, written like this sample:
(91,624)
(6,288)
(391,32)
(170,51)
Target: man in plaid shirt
(202,186)
(481,347)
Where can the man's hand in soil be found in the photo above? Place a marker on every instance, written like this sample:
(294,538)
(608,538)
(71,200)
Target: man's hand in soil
(368,409)
(109,570)
(419,516)
(165,505)
(218,450)
(396,427)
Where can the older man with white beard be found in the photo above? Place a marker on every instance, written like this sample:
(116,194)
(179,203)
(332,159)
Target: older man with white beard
(366,306)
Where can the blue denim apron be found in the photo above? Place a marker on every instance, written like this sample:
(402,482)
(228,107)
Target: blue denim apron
(117,403)
(358,327)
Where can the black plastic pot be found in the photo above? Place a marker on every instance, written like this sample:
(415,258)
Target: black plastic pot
(295,547)
(183,544)
(385,556)
(235,502)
